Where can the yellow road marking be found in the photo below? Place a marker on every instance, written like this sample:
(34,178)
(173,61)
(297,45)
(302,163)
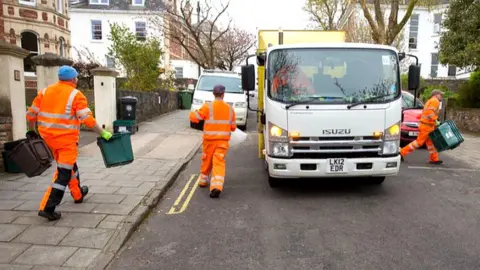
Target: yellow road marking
(180,196)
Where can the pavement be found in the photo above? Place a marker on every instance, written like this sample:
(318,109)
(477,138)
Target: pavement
(89,234)
(468,152)
(424,218)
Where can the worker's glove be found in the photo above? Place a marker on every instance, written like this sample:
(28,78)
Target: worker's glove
(31,134)
(437,123)
(106,135)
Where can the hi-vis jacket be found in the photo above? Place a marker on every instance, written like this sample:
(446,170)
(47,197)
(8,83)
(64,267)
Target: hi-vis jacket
(219,120)
(59,110)
(430,112)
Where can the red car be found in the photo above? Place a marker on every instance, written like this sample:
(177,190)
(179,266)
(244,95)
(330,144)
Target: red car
(410,118)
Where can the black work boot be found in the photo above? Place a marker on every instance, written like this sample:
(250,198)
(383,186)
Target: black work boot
(84,191)
(438,162)
(215,193)
(51,216)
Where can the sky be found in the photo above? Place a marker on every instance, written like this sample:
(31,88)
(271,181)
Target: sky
(266,14)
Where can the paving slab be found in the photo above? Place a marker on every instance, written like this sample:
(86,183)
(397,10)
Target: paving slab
(87,237)
(45,255)
(9,251)
(9,231)
(82,257)
(88,234)
(43,235)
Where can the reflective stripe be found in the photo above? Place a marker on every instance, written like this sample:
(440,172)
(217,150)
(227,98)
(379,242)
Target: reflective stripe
(74,176)
(35,108)
(59,187)
(224,122)
(68,109)
(31,114)
(84,117)
(57,115)
(59,126)
(216,183)
(219,177)
(203,176)
(82,112)
(210,109)
(415,143)
(44,91)
(217,133)
(411,147)
(198,116)
(65,166)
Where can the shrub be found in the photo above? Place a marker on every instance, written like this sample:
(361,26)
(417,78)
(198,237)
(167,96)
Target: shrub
(469,92)
(427,92)
(404,82)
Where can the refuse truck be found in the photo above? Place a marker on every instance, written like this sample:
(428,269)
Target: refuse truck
(327,108)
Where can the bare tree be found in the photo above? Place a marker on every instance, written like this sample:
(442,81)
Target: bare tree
(199,36)
(326,13)
(233,48)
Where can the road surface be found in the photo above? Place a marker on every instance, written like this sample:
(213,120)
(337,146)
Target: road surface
(425,218)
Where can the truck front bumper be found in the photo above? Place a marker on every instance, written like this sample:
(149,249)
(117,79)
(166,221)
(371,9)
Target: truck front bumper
(319,168)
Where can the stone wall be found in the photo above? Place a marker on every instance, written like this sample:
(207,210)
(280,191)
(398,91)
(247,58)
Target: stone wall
(150,104)
(451,84)
(465,119)
(5,135)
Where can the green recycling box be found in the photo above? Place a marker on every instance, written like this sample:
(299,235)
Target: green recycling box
(186,98)
(446,136)
(117,151)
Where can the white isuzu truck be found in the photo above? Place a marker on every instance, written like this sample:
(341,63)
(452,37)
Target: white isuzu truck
(327,109)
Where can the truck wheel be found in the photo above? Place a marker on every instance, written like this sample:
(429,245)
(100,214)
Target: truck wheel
(243,128)
(273,182)
(376,180)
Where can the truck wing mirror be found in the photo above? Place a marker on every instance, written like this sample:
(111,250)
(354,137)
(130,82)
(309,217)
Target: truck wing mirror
(248,77)
(413,77)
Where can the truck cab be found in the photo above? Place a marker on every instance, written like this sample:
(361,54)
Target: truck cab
(329,110)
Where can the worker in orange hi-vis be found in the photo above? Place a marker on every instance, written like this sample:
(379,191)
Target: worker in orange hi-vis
(58,111)
(219,122)
(428,123)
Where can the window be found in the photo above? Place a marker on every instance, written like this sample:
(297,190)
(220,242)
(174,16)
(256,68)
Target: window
(232,84)
(437,23)
(28,2)
(140,30)
(413,34)
(59,6)
(407,101)
(179,72)
(110,61)
(138,2)
(99,2)
(452,71)
(96,30)
(30,43)
(434,65)
(61,46)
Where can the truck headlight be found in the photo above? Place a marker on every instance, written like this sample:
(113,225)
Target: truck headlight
(278,141)
(391,140)
(241,105)
(197,101)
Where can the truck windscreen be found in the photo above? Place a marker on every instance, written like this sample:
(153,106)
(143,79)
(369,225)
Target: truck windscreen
(232,84)
(332,75)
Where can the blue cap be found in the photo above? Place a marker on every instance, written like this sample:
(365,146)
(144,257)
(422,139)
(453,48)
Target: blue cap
(67,73)
(219,89)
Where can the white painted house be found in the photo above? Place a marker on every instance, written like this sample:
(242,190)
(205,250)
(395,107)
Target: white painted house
(90,29)
(422,38)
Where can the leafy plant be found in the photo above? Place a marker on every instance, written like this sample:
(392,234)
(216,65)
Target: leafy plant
(469,92)
(139,59)
(404,81)
(427,93)
(85,77)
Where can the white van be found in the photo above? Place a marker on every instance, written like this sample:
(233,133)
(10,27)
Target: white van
(234,94)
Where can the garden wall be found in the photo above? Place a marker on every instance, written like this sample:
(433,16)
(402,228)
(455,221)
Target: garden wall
(465,119)
(150,104)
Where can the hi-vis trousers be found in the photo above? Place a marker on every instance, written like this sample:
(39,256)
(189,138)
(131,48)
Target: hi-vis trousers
(66,175)
(213,161)
(422,138)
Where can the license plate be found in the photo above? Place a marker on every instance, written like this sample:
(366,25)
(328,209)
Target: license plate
(336,165)
(413,133)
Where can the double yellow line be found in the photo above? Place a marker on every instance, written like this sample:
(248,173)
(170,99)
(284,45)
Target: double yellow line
(180,197)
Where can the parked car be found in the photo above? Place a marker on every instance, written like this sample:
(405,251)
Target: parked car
(410,118)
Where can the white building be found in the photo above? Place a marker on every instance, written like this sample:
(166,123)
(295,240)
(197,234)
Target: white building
(422,37)
(90,30)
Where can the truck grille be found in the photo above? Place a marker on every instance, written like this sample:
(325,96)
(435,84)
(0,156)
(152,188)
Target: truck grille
(333,147)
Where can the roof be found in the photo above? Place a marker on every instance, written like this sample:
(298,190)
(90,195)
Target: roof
(118,5)
(220,73)
(333,45)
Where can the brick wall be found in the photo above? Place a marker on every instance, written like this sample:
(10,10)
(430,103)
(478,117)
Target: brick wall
(148,105)
(465,119)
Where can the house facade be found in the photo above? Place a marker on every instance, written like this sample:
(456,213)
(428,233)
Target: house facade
(90,27)
(39,26)
(421,37)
